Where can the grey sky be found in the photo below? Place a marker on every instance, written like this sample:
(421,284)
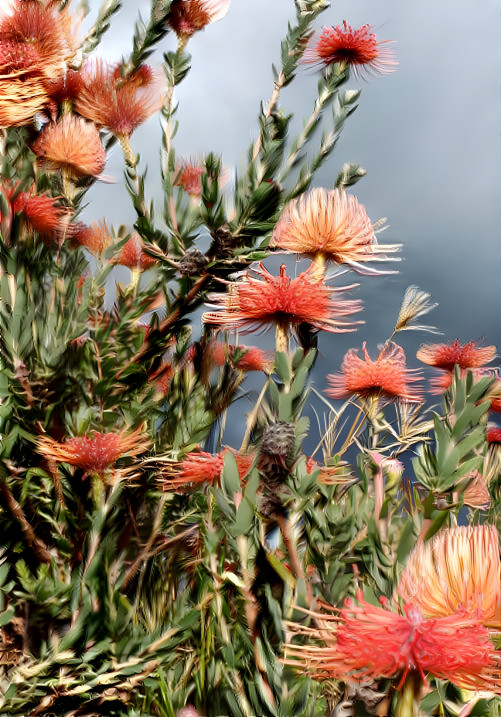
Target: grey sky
(428,136)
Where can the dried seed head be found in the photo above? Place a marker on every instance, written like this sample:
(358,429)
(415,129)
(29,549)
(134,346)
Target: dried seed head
(192,262)
(278,441)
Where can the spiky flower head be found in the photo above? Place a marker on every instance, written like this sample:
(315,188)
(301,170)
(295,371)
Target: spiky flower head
(118,101)
(43,213)
(363,642)
(94,453)
(190,16)
(259,302)
(134,256)
(331,225)
(446,356)
(201,467)
(245,358)
(386,377)
(357,49)
(95,237)
(71,144)
(458,568)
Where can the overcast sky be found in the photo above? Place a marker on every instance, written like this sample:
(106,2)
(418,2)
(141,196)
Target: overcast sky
(428,136)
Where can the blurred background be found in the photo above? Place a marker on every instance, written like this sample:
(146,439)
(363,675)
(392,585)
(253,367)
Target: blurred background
(428,136)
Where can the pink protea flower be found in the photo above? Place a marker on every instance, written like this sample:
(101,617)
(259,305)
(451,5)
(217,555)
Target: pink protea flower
(71,144)
(189,177)
(96,453)
(331,225)
(257,303)
(350,47)
(190,16)
(458,568)
(363,643)
(201,467)
(116,101)
(387,376)
(446,356)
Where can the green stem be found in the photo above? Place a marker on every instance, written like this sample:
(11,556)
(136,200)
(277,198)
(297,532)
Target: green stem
(409,697)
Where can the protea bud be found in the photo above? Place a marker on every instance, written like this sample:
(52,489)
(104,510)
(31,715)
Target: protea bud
(192,262)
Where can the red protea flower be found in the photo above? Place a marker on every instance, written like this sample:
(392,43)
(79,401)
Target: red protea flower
(357,49)
(493,435)
(201,467)
(133,256)
(255,303)
(245,358)
(96,453)
(386,376)
(458,568)
(48,218)
(117,101)
(71,144)
(363,642)
(446,356)
(331,225)
(190,16)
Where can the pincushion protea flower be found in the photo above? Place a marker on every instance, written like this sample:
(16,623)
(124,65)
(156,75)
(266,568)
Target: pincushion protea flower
(117,101)
(94,453)
(190,16)
(446,356)
(354,48)
(458,568)
(332,226)
(201,467)
(387,376)
(256,303)
(73,145)
(363,642)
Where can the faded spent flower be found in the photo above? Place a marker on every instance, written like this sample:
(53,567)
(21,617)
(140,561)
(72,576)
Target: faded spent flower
(332,226)
(349,47)
(387,376)
(458,568)
(256,303)
(363,642)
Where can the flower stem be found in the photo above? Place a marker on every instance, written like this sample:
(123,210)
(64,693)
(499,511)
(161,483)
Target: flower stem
(408,697)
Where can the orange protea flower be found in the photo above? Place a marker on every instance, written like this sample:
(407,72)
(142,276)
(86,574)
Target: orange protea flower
(446,356)
(117,101)
(201,467)
(255,303)
(96,453)
(46,217)
(245,358)
(363,642)
(96,237)
(133,256)
(331,225)
(386,376)
(189,16)
(357,49)
(33,39)
(71,144)
(458,568)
